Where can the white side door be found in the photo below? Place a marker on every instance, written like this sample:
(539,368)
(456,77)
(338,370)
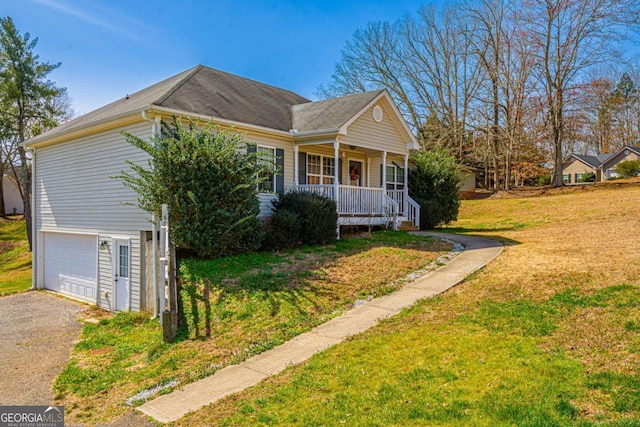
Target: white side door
(122,273)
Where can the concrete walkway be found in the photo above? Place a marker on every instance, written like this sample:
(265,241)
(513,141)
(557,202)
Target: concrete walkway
(232,379)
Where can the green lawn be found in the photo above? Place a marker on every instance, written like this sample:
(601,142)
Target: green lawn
(15,258)
(546,335)
(233,308)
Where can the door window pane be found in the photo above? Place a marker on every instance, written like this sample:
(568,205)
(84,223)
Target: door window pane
(123,261)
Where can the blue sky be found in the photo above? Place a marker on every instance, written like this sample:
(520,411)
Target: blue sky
(109,48)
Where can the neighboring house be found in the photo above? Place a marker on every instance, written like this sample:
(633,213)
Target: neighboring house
(92,245)
(602,166)
(11,191)
(577,165)
(609,165)
(468,186)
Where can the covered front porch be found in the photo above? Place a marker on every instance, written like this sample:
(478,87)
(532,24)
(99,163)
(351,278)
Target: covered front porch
(370,186)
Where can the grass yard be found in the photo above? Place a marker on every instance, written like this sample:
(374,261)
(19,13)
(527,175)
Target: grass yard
(546,335)
(233,308)
(15,258)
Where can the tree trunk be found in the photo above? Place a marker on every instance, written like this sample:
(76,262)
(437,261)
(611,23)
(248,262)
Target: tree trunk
(26,194)
(557,124)
(507,172)
(26,175)
(3,213)
(495,137)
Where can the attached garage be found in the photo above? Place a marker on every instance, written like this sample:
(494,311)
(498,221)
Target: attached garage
(70,264)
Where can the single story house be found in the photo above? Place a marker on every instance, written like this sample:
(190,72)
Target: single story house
(92,244)
(602,166)
(608,166)
(12,196)
(576,165)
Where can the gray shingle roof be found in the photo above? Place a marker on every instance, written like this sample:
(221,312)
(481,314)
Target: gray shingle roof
(203,91)
(590,160)
(604,157)
(331,113)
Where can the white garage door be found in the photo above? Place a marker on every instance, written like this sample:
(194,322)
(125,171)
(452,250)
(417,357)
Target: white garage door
(70,264)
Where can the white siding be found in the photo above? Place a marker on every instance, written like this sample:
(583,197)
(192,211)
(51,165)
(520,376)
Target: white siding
(75,192)
(366,132)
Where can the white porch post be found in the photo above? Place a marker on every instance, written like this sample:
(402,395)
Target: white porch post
(368,171)
(405,207)
(384,176)
(336,185)
(296,181)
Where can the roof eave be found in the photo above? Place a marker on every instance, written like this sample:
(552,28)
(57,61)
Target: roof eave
(314,133)
(87,128)
(221,121)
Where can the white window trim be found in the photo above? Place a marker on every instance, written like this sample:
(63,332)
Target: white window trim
(275,172)
(321,176)
(395,177)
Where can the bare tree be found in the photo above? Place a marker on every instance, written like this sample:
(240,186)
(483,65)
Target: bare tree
(442,72)
(571,36)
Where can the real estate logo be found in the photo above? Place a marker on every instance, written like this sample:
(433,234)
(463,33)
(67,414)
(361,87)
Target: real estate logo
(31,416)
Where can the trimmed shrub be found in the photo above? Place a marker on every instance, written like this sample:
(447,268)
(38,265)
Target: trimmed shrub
(628,168)
(588,177)
(434,183)
(209,184)
(282,230)
(301,219)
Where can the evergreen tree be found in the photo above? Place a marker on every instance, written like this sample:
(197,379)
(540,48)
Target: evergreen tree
(30,102)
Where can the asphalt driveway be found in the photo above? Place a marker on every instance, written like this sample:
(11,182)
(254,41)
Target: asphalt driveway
(37,333)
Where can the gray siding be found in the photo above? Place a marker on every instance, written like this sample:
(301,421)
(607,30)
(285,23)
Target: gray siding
(74,192)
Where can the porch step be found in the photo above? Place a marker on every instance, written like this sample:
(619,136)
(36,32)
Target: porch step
(408,226)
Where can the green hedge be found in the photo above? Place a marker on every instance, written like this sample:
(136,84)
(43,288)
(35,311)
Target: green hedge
(301,219)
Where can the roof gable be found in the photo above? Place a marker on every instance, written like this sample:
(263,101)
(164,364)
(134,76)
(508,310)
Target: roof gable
(330,114)
(614,158)
(337,114)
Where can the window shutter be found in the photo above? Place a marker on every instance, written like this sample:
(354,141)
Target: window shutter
(252,149)
(381,183)
(340,171)
(280,175)
(302,168)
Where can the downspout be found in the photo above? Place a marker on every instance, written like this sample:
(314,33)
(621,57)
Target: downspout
(34,237)
(154,227)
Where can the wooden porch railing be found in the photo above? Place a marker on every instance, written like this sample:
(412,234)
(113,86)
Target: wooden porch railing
(354,200)
(367,201)
(326,190)
(398,197)
(413,211)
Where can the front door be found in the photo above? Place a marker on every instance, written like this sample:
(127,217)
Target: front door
(355,172)
(122,274)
